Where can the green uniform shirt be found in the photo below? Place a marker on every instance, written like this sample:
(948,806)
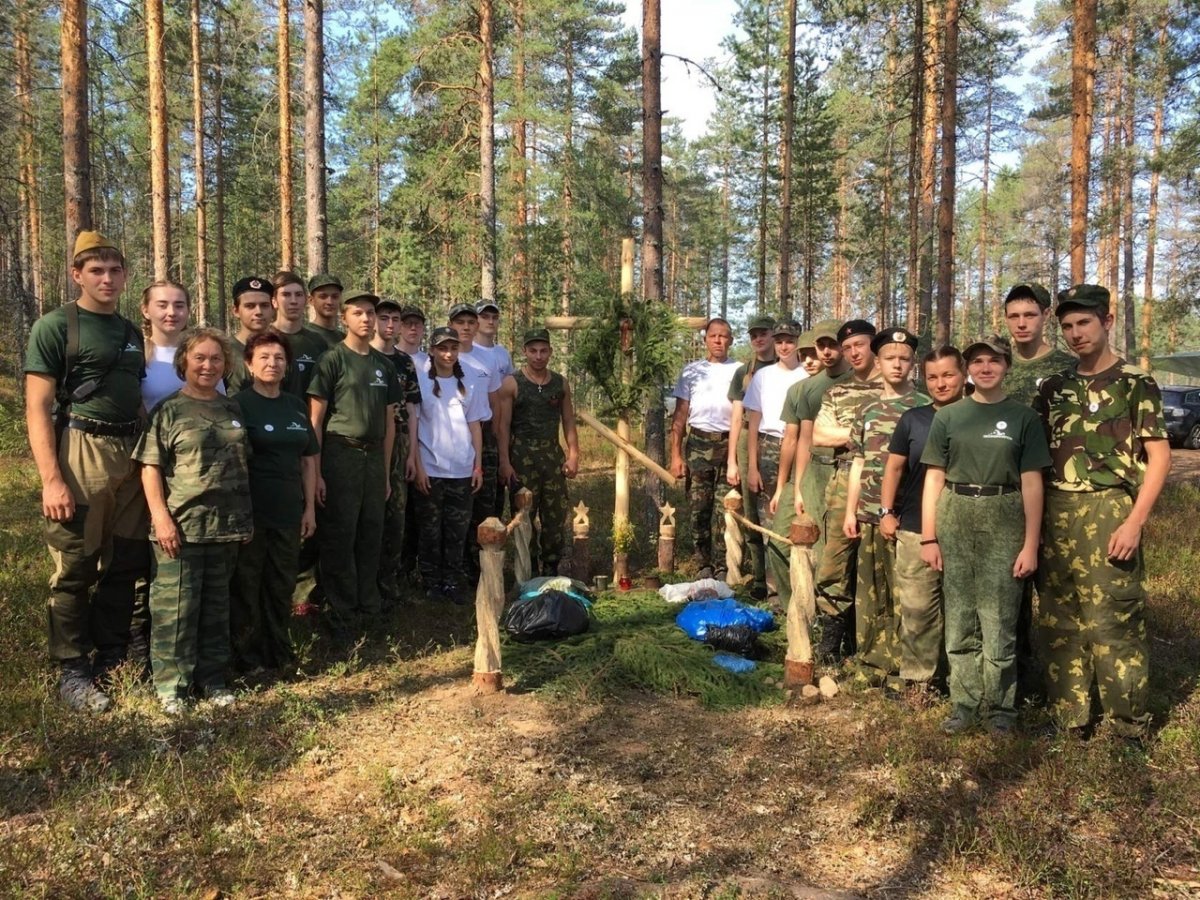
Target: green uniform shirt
(871,440)
(741,378)
(1025,376)
(359,389)
(1097,425)
(410,388)
(331,336)
(107,343)
(279,433)
(986,443)
(803,401)
(239,377)
(202,449)
(843,403)
(537,409)
(307,347)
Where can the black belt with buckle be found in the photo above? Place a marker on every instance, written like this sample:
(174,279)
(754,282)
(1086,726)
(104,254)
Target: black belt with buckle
(352,442)
(980,490)
(105,429)
(710,435)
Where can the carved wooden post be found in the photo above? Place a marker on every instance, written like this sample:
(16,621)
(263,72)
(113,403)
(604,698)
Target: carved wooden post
(666,538)
(522,536)
(802,608)
(581,526)
(489,604)
(733,539)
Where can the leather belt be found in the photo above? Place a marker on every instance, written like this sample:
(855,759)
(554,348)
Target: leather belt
(105,429)
(709,435)
(980,490)
(352,442)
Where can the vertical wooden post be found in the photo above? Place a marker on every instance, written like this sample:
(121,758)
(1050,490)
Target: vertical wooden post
(621,482)
(733,539)
(489,604)
(581,527)
(802,607)
(522,536)
(666,538)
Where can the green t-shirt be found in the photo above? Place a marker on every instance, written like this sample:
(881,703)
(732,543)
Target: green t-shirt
(280,434)
(359,388)
(107,344)
(331,336)
(239,377)
(803,401)
(1026,376)
(741,378)
(872,437)
(307,347)
(202,449)
(986,443)
(410,388)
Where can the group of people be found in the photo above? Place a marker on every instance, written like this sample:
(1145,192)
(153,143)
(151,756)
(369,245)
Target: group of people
(189,477)
(1013,472)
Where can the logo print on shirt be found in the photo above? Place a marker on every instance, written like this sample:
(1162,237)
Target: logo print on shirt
(131,347)
(268,428)
(237,424)
(999,431)
(296,426)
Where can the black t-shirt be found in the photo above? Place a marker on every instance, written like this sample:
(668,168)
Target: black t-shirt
(909,440)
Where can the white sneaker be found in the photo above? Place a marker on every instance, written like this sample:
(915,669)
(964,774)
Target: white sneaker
(221,697)
(172,706)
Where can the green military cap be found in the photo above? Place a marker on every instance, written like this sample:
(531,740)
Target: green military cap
(761,323)
(786,329)
(1083,296)
(389,303)
(826,328)
(461,309)
(320,281)
(893,336)
(533,335)
(354,296)
(1029,290)
(93,240)
(487,304)
(807,340)
(442,335)
(994,342)
(412,312)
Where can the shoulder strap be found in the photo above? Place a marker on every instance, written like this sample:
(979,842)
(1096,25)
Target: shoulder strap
(71,311)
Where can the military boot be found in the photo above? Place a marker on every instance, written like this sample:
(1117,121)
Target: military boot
(106,661)
(138,653)
(76,688)
(833,633)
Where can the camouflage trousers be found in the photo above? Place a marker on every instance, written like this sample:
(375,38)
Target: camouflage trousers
(813,485)
(918,591)
(768,470)
(1091,615)
(754,540)
(261,598)
(483,503)
(876,613)
(102,553)
(350,531)
(837,571)
(189,614)
(394,512)
(443,519)
(706,463)
(980,538)
(539,466)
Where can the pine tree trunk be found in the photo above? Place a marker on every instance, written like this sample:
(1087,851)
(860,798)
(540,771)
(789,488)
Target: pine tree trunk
(520,173)
(886,313)
(200,292)
(287,226)
(219,167)
(726,236)
(765,164)
(376,167)
(315,215)
(487,152)
(783,287)
(30,201)
(568,170)
(160,191)
(1160,90)
(929,135)
(1083,76)
(914,163)
(652,225)
(983,200)
(945,295)
(77,167)
(1129,101)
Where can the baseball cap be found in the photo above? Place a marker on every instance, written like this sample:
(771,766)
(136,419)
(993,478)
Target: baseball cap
(441,335)
(320,281)
(994,342)
(1029,290)
(1083,296)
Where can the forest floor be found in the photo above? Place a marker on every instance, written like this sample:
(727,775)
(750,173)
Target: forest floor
(381,773)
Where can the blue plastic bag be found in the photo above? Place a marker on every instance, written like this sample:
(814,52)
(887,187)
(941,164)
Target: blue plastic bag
(697,616)
(734,663)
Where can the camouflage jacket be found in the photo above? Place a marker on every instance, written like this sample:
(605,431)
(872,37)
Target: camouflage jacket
(871,439)
(1096,426)
(843,404)
(1025,377)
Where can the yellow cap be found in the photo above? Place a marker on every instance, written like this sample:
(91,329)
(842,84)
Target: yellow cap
(93,240)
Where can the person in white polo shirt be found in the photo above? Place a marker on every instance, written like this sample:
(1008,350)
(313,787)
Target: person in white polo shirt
(703,410)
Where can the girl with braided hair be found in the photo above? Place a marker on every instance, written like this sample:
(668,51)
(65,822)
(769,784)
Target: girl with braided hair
(449,470)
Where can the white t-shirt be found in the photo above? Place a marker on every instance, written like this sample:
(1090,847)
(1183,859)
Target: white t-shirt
(766,393)
(443,428)
(161,381)
(420,360)
(705,386)
(501,358)
(479,368)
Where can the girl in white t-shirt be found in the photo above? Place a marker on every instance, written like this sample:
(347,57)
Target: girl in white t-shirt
(166,309)
(450,445)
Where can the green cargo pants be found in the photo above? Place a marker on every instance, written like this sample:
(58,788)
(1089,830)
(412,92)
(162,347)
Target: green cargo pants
(918,591)
(261,598)
(538,464)
(876,613)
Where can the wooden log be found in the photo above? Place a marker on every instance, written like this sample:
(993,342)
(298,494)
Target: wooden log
(733,539)
(489,604)
(522,536)
(622,444)
(802,607)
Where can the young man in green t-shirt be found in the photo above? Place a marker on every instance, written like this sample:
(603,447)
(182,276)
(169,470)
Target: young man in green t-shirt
(92,497)
(290,302)
(1026,311)
(325,297)
(254,310)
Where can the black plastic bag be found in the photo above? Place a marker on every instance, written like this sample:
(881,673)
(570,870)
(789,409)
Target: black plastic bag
(546,616)
(735,638)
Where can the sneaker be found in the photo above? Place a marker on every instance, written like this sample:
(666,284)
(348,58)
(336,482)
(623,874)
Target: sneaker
(956,725)
(76,689)
(172,706)
(219,696)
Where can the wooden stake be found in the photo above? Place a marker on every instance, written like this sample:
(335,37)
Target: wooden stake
(522,529)
(733,539)
(489,604)
(624,446)
(802,608)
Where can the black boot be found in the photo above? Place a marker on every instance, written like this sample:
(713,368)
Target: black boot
(106,661)
(76,688)
(833,632)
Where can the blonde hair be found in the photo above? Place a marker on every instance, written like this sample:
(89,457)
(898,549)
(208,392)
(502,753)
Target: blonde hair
(199,336)
(147,329)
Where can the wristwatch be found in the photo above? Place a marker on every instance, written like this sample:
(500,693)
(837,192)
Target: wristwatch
(886,511)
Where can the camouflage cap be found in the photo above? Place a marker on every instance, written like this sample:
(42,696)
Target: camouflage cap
(826,328)
(252,283)
(1029,290)
(93,240)
(319,281)
(1083,296)
(994,342)
(786,329)
(354,296)
(855,327)
(442,335)
(389,303)
(461,309)
(893,336)
(761,323)
(807,340)
(412,312)
(533,335)
(487,304)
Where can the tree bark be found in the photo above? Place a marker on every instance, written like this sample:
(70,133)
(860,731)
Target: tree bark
(200,292)
(765,162)
(316,219)
(783,287)
(520,173)
(219,166)
(77,167)
(929,134)
(983,199)
(1128,105)
(27,150)
(287,226)
(568,172)
(1160,91)
(160,190)
(945,295)
(914,163)
(1083,77)
(487,152)
(652,225)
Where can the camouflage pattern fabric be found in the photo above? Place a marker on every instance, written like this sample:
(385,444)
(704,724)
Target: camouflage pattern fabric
(843,404)
(350,532)
(1096,425)
(1091,615)
(768,468)
(189,611)
(980,538)
(443,517)
(837,572)
(877,424)
(876,614)
(918,592)
(754,540)
(261,599)
(706,458)
(812,488)
(538,464)
(1025,377)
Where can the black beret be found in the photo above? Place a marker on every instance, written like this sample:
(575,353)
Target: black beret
(252,283)
(855,327)
(893,336)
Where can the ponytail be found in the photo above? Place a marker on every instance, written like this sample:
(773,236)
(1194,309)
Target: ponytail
(458,376)
(433,376)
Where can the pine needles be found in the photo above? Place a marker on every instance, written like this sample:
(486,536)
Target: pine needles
(634,644)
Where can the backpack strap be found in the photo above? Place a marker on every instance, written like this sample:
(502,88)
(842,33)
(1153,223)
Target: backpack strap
(72,356)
